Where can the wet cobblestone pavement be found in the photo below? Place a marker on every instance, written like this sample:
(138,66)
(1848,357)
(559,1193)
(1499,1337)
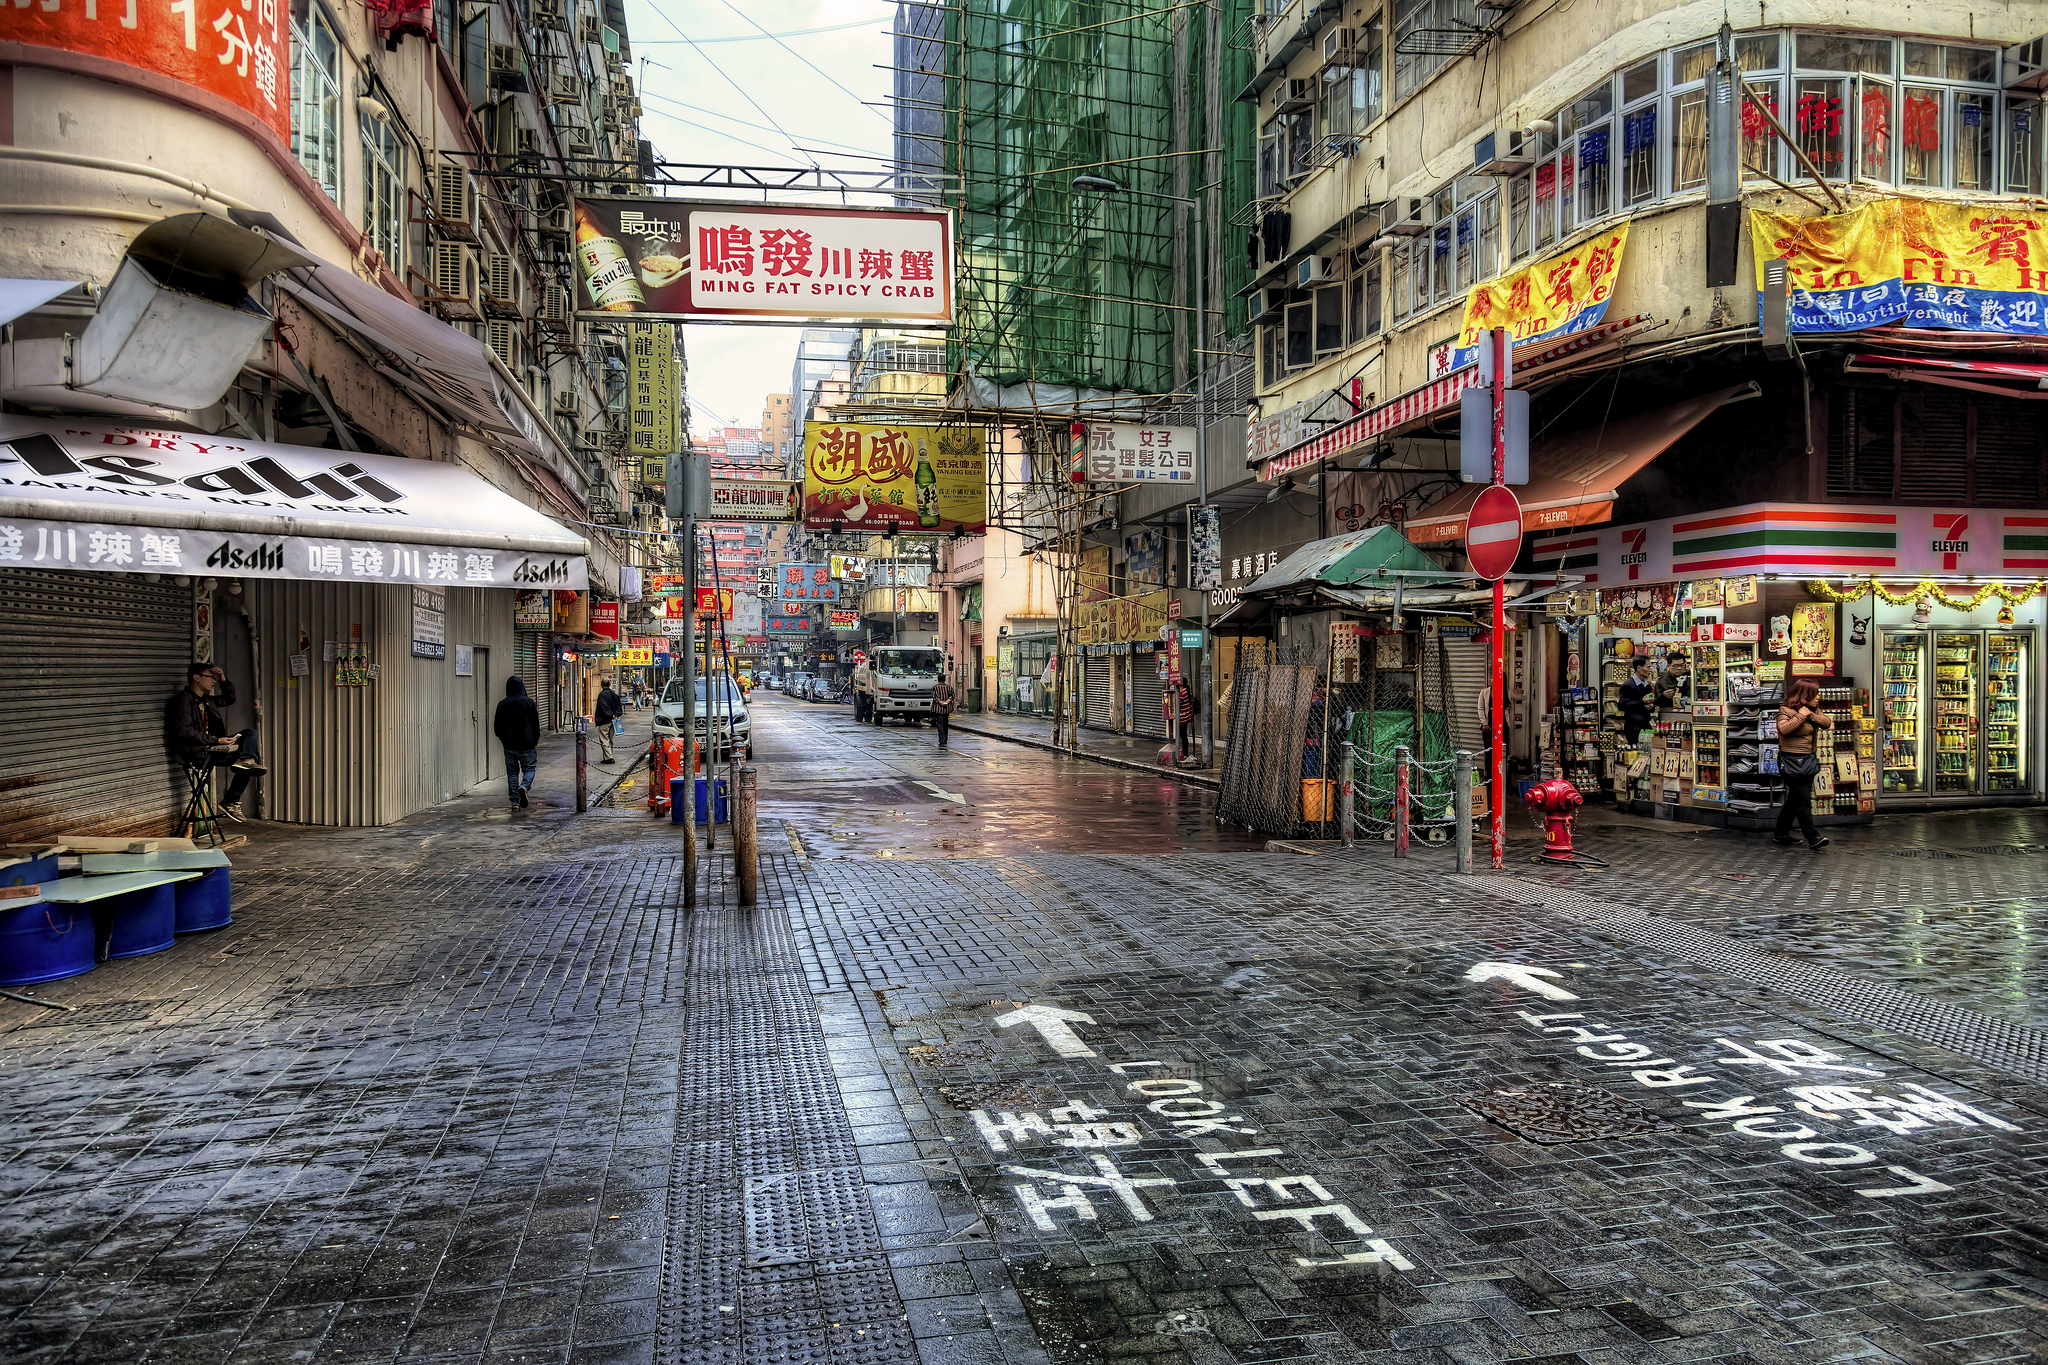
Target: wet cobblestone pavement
(1056,1070)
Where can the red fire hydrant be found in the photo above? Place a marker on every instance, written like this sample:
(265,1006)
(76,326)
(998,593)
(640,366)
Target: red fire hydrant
(1557,799)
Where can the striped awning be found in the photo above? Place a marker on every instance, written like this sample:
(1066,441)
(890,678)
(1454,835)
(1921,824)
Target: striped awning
(1437,396)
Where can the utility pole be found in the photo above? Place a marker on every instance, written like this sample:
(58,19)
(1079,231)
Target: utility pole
(1497,342)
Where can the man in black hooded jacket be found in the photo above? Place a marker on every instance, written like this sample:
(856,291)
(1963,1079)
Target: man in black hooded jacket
(517,726)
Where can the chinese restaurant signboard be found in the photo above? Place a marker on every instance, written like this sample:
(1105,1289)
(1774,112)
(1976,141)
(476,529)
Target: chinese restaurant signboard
(807,583)
(677,259)
(753,500)
(237,57)
(1968,267)
(651,390)
(894,478)
(1557,297)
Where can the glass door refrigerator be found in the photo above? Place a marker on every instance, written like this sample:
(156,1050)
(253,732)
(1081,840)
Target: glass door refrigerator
(1958,674)
(2008,729)
(1904,758)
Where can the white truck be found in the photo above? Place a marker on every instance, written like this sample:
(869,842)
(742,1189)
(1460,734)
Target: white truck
(898,680)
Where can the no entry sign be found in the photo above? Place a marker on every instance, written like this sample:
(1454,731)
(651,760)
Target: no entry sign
(1493,532)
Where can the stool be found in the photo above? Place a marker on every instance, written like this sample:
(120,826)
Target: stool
(200,820)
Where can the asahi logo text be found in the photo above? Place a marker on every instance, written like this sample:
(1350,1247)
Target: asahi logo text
(260,477)
(547,571)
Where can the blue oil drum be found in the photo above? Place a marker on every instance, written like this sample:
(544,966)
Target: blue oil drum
(44,942)
(204,904)
(138,923)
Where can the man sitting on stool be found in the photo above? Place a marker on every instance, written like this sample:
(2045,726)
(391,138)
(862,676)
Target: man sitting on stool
(199,737)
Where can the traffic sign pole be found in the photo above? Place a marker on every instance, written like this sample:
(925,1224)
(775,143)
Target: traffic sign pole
(1497,340)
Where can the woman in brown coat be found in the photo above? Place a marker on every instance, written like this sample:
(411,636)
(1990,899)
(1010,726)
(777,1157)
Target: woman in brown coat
(1799,725)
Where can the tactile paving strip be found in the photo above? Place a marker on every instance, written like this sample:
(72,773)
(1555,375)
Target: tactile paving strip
(773,1252)
(1997,1043)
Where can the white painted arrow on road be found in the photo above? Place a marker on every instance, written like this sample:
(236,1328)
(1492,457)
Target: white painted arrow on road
(1053,1024)
(933,788)
(1516,974)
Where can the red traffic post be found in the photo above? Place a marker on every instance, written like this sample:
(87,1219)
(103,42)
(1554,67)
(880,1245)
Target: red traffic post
(1493,541)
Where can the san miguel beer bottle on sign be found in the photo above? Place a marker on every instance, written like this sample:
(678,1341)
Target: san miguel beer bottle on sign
(607,273)
(927,488)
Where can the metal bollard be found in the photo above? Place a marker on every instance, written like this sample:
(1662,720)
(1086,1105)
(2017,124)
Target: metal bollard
(582,771)
(1401,801)
(689,820)
(1461,807)
(746,865)
(1347,792)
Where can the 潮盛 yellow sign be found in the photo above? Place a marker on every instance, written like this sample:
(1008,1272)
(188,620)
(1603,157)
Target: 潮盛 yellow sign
(1918,262)
(1563,294)
(894,478)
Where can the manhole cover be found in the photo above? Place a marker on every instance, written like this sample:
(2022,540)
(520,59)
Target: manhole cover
(951,1054)
(1924,853)
(2007,850)
(1563,1111)
(1015,1097)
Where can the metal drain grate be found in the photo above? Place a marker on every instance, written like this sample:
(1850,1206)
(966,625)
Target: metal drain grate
(1937,853)
(2007,850)
(1563,1111)
(85,1016)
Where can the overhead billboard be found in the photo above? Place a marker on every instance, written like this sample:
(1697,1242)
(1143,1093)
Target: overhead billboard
(753,500)
(652,390)
(806,583)
(894,478)
(678,259)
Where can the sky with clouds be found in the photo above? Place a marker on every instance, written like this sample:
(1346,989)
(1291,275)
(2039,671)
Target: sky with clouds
(715,91)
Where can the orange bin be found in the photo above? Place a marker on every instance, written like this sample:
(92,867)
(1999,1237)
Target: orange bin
(667,762)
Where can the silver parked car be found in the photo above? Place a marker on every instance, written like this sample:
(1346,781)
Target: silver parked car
(734,725)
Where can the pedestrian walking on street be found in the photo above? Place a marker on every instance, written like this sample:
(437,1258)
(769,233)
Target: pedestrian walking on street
(606,714)
(199,737)
(1185,711)
(942,706)
(1799,726)
(517,726)
(1635,700)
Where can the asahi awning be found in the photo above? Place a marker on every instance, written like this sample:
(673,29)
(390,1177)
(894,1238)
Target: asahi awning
(107,496)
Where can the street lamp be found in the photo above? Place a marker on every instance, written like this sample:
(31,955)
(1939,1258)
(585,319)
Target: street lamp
(1102,184)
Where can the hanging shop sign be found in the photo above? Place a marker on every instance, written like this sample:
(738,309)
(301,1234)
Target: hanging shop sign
(1145,556)
(807,583)
(754,500)
(533,611)
(899,573)
(843,619)
(634,658)
(1126,618)
(716,602)
(109,497)
(1126,452)
(604,620)
(1566,293)
(237,62)
(1205,548)
(1968,267)
(787,625)
(653,387)
(893,478)
(770,263)
(848,568)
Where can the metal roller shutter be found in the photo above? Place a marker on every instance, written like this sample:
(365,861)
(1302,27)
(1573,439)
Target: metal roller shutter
(88,663)
(1470,670)
(1102,699)
(1148,697)
(526,655)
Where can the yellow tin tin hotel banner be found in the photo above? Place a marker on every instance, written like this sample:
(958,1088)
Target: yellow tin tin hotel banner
(1566,293)
(1919,262)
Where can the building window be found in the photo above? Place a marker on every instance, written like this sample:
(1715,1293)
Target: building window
(1368,92)
(316,99)
(1427,33)
(1299,326)
(1329,304)
(384,190)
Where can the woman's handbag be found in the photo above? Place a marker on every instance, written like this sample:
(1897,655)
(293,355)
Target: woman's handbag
(1798,765)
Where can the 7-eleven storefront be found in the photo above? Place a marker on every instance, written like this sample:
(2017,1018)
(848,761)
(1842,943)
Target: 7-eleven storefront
(1922,625)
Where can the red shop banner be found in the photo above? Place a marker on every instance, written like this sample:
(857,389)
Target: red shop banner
(238,51)
(604,620)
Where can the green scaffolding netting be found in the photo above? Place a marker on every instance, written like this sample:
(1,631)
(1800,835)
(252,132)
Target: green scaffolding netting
(1072,287)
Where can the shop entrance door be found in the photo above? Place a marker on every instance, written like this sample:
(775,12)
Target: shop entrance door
(481,709)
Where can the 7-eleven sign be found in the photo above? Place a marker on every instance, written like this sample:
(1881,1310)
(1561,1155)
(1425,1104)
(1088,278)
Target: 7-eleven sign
(1951,537)
(1632,552)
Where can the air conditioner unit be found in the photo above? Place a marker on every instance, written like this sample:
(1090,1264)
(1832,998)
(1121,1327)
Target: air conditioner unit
(501,286)
(454,206)
(1291,96)
(564,87)
(1406,218)
(504,57)
(555,220)
(1312,270)
(1490,156)
(1340,44)
(589,30)
(576,142)
(565,403)
(455,281)
(527,141)
(550,14)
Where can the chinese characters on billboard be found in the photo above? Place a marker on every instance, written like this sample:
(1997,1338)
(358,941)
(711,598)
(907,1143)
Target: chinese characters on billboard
(651,405)
(753,500)
(807,583)
(1565,294)
(890,478)
(236,51)
(677,259)
(1124,452)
